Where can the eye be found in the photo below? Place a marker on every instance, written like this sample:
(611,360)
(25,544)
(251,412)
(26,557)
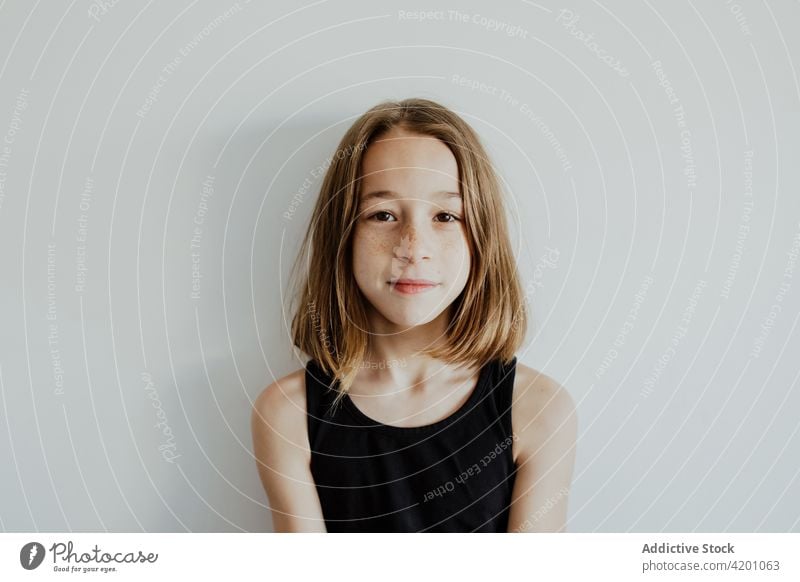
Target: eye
(449,217)
(382,214)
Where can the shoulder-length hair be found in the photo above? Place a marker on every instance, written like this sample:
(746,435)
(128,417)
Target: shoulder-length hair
(488,319)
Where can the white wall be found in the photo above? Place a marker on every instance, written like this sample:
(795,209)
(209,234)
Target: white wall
(648,222)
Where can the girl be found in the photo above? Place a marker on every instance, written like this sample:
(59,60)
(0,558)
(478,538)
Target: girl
(412,414)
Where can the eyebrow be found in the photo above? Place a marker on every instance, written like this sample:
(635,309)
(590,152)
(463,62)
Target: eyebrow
(387,194)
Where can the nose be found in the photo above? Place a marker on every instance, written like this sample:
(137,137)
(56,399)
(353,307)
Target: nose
(414,243)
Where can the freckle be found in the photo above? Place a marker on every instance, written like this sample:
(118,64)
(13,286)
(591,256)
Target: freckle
(378,244)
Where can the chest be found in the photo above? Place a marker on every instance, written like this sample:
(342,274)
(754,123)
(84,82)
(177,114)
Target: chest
(412,407)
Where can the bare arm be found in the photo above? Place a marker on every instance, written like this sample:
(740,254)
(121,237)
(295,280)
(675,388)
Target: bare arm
(545,421)
(282,452)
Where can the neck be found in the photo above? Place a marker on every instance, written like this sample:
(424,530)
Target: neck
(394,355)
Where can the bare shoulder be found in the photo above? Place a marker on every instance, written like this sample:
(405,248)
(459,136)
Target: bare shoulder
(280,410)
(542,409)
(283,455)
(545,423)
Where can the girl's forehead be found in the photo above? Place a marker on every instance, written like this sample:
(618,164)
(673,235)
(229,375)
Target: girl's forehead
(439,196)
(399,155)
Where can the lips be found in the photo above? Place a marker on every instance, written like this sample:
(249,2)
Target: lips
(412,285)
(405,281)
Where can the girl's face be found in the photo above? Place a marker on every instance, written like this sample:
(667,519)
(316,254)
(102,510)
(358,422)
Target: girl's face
(411,258)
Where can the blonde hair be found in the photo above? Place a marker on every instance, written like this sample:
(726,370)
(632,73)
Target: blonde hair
(488,320)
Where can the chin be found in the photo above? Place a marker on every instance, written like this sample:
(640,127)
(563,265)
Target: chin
(411,317)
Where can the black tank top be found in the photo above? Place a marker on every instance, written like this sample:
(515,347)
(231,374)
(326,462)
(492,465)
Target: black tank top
(455,475)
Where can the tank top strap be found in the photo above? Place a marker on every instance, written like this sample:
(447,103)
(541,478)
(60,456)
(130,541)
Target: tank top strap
(500,392)
(320,395)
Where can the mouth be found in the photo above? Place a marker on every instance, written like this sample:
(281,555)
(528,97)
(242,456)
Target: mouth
(412,286)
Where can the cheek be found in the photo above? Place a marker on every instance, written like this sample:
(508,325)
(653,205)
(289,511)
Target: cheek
(458,259)
(456,247)
(367,247)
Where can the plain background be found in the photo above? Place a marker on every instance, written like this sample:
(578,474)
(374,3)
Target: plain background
(686,386)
